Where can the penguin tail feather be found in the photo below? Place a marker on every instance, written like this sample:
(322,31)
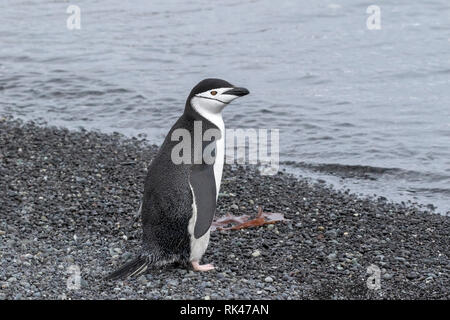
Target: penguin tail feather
(131,269)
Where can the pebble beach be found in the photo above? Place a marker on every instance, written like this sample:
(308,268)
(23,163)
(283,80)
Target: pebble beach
(69,201)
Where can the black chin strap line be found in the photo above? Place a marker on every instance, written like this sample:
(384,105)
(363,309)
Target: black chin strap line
(211,99)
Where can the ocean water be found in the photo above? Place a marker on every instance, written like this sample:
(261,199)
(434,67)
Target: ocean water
(363,109)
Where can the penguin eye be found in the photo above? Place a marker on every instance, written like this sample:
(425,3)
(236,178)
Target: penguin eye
(213,93)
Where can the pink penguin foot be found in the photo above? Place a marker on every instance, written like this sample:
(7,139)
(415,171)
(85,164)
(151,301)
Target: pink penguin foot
(201,267)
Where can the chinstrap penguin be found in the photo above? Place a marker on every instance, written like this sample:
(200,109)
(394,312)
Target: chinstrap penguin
(179,199)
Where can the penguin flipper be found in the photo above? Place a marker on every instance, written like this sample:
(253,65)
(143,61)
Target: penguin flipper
(131,269)
(204,192)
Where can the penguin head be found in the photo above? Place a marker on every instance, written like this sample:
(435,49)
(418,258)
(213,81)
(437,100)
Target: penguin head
(210,96)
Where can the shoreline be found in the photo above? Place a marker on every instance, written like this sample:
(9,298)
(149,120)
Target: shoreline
(363,180)
(70,198)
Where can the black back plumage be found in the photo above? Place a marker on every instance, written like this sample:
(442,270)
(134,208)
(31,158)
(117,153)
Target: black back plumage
(167,204)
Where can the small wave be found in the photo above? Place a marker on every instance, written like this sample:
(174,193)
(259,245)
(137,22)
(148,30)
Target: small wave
(431,191)
(343,103)
(320,138)
(266,111)
(446,71)
(118,90)
(17,58)
(345,171)
(344,125)
(364,172)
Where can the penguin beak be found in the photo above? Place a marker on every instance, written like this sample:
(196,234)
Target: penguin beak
(238,92)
